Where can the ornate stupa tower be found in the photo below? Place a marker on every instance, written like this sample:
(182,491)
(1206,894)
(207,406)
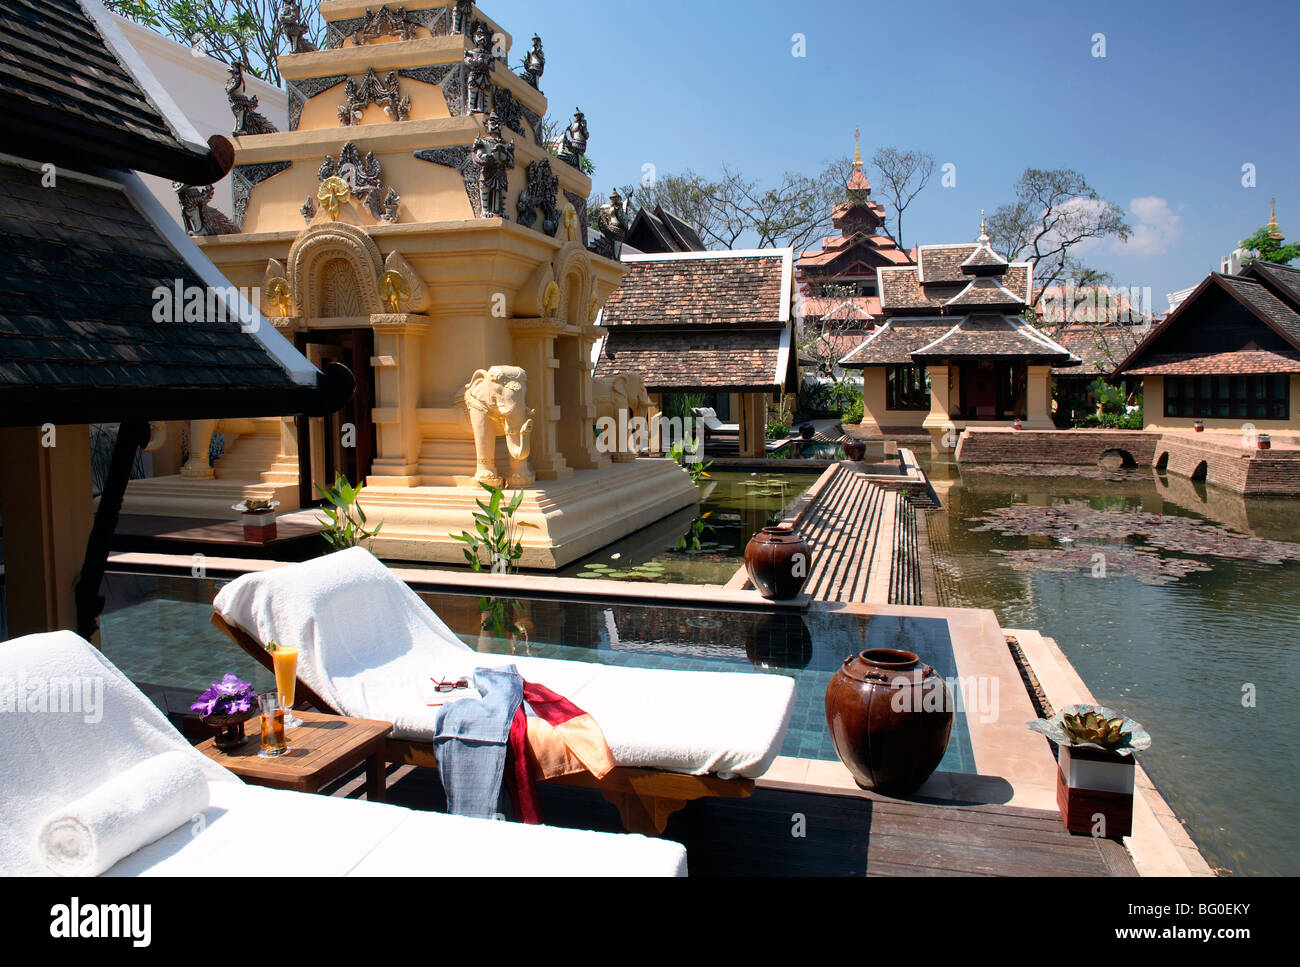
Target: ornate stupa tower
(414,224)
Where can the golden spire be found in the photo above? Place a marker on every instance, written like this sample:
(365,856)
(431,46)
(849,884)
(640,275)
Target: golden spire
(1274,232)
(857,148)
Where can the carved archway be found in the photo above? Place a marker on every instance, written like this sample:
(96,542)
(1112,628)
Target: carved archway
(333,269)
(573,273)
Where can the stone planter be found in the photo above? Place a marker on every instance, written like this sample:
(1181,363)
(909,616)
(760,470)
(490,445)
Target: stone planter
(890,717)
(778,561)
(1094,791)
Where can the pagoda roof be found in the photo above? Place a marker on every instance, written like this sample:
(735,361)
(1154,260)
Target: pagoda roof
(994,335)
(986,292)
(904,288)
(894,342)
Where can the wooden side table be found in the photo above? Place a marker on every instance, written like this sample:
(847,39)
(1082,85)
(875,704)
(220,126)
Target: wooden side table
(323,748)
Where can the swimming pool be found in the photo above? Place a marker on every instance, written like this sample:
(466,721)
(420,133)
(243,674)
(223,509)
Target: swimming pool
(156,629)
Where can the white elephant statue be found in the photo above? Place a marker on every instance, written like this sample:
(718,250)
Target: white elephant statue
(495,402)
(625,393)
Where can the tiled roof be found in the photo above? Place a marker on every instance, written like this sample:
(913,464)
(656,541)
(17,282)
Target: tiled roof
(68,97)
(1252,294)
(1216,364)
(983,258)
(901,290)
(984,336)
(985,291)
(838,307)
(894,342)
(78,269)
(662,231)
(743,289)
(1286,278)
(942,263)
(1099,348)
(719,358)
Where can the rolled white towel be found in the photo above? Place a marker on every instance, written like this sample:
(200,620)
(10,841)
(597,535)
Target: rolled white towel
(131,810)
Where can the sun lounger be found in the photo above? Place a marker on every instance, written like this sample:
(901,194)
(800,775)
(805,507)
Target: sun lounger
(712,425)
(367,644)
(73,723)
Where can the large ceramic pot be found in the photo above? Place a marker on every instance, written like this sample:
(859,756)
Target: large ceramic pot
(890,717)
(854,449)
(807,431)
(778,560)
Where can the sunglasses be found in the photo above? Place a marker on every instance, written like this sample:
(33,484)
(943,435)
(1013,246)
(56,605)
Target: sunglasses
(449,686)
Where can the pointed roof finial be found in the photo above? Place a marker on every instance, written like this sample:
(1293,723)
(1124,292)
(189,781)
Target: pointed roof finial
(857,148)
(1274,231)
(984,235)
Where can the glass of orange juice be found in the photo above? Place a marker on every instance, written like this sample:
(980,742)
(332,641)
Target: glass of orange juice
(284,658)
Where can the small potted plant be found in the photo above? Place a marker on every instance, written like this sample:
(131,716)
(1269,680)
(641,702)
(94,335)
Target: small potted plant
(1199,426)
(226,706)
(1094,782)
(259,519)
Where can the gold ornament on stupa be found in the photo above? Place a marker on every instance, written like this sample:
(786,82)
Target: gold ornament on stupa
(332,193)
(1274,230)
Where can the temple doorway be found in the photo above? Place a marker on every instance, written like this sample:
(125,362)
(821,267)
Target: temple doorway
(992,390)
(343,442)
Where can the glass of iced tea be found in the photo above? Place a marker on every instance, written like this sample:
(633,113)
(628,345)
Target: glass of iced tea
(273,743)
(285,661)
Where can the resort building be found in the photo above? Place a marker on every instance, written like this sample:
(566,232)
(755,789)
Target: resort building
(952,349)
(838,288)
(718,324)
(84,251)
(1228,355)
(414,224)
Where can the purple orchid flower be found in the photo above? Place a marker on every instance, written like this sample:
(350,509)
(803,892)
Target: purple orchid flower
(230,696)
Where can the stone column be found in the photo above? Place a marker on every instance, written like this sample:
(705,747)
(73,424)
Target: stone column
(397,396)
(534,344)
(940,405)
(1038,398)
(47,505)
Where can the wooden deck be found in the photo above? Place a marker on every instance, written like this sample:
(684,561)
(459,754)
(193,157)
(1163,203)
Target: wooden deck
(863,538)
(841,835)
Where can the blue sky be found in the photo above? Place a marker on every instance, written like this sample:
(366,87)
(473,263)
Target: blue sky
(1187,94)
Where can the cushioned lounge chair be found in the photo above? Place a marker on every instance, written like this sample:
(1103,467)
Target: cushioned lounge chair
(712,425)
(367,644)
(54,755)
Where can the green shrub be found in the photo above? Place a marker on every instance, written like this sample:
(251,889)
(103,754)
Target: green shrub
(829,399)
(777,430)
(854,413)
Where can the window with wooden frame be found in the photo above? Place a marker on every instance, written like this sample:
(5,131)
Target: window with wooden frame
(907,388)
(1239,396)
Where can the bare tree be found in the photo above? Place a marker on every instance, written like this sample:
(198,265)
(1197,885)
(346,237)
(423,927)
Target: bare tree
(712,206)
(904,173)
(247,31)
(1053,212)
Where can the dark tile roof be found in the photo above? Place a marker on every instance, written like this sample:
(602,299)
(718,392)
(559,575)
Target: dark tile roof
(69,99)
(1253,295)
(984,258)
(78,268)
(1283,279)
(894,343)
(902,288)
(1216,364)
(984,336)
(719,358)
(692,291)
(661,231)
(1099,348)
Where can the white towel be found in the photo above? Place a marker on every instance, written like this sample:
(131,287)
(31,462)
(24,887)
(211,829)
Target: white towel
(131,810)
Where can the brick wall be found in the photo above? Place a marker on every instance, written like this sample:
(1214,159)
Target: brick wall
(1067,447)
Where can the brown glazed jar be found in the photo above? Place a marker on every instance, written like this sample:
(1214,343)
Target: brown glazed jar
(890,718)
(854,450)
(778,560)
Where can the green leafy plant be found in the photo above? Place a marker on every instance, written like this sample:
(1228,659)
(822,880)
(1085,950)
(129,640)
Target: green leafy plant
(504,618)
(496,532)
(681,452)
(345,524)
(776,429)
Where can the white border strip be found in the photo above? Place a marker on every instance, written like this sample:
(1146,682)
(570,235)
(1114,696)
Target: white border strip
(783,355)
(134,65)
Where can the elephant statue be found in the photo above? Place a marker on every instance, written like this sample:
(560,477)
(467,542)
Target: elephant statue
(619,394)
(495,402)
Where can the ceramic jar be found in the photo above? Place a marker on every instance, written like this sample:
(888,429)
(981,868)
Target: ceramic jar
(890,717)
(854,450)
(778,560)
